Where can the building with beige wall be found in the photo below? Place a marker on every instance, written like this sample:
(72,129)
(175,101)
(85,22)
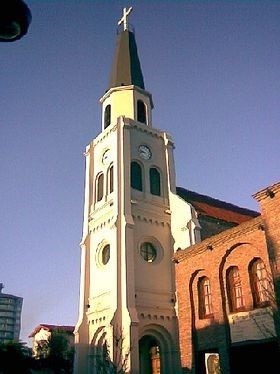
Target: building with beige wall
(133,221)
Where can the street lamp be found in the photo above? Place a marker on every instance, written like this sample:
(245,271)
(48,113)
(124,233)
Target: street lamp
(15,18)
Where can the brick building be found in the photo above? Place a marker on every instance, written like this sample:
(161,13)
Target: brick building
(227,307)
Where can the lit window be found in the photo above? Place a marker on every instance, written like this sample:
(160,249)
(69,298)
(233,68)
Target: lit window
(155,182)
(136,176)
(107,116)
(261,287)
(99,187)
(148,252)
(234,288)
(141,112)
(205,298)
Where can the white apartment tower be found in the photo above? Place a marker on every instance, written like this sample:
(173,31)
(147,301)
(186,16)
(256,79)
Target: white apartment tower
(133,223)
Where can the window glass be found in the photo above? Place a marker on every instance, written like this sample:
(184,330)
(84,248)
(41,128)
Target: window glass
(99,186)
(234,287)
(111,179)
(148,252)
(155,182)
(205,298)
(136,176)
(260,283)
(105,254)
(141,112)
(107,116)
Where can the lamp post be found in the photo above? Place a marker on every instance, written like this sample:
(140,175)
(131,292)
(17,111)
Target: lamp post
(15,18)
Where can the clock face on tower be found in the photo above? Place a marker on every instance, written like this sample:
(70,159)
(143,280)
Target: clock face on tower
(144,152)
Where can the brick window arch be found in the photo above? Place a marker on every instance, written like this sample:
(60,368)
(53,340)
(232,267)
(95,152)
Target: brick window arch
(260,284)
(155,182)
(204,298)
(136,176)
(234,290)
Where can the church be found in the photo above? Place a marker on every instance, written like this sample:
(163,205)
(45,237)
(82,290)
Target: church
(149,250)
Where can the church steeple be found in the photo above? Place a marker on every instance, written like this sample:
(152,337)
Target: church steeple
(126,68)
(126,95)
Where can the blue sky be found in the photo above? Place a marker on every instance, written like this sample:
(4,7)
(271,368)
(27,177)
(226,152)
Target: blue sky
(213,70)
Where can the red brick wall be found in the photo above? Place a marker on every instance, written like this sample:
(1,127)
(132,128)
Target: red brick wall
(213,332)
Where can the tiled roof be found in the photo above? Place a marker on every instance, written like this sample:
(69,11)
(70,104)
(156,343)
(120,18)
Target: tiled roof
(208,206)
(210,243)
(51,328)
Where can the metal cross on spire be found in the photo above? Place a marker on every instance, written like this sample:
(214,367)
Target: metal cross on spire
(123,20)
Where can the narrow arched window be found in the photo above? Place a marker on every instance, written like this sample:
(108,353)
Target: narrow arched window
(234,289)
(260,284)
(107,116)
(111,179)
(141,112)
(205,298)
(99,187)
(136,176)
(155,182)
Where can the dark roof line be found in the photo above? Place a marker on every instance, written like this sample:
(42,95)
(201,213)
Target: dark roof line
(194,196)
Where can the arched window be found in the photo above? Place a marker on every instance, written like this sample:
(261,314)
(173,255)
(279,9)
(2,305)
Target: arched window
(155,182)
(259,283)
(99,186)
(141,112)
(107,116)
(234,289)
(205,298)
(136,176)
(110,177)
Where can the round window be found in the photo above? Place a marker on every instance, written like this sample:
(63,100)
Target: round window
(105,254)
(148,252)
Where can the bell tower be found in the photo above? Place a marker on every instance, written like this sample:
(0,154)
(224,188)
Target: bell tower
(133,222)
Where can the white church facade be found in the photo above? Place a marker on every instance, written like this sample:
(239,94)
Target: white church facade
(134,221)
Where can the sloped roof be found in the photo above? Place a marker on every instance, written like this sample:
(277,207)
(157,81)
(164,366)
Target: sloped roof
(216,240)
(126,68)
(51,328)
(208,206)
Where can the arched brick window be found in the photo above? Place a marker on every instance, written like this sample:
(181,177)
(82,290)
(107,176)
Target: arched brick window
(155,182)
(260,285)
(234,289)
(107,116)
(204,298)
(136,176)
(99,186)
(141,112)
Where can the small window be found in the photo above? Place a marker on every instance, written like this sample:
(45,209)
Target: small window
(234,289)
(105,255)
(141,112)
(107,116)
(102,255)
(155,182)
(205,298)
(99,187)
(111,179)
(260,284)
(148,252)
(136,176)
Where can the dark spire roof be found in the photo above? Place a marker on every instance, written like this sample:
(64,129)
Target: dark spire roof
(126,68)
